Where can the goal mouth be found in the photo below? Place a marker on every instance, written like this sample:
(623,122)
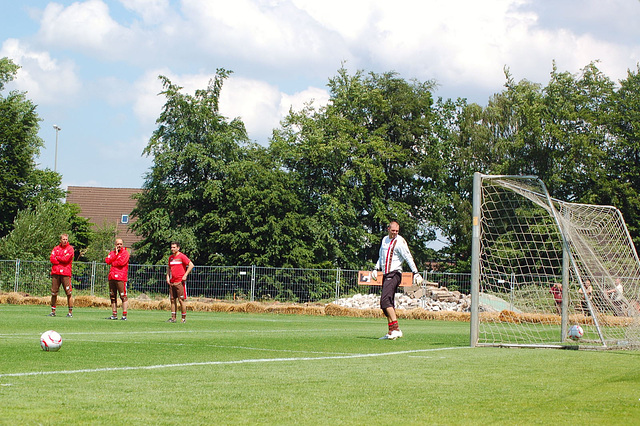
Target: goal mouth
(541,265)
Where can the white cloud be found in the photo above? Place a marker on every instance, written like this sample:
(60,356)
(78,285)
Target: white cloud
(103,57)
(318,97)
(350,19)
(270,33)
(47,80)
(261,106)
(86,26)
(151,11)
(255,102)
(147,104)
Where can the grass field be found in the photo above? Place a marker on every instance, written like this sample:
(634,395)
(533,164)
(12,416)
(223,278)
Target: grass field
(235,368)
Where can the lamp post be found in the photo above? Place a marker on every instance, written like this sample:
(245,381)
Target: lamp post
(55,163)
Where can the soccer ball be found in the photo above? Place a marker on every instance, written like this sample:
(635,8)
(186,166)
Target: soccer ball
(576,332)
(50,341)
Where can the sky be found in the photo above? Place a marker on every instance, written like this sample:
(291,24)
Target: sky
(92,66)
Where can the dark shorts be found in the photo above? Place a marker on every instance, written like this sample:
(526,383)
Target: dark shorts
(117,287)
(177,291)
(390,283)
(61,280)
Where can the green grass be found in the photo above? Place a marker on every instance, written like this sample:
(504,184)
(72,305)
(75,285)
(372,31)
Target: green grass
(285,369)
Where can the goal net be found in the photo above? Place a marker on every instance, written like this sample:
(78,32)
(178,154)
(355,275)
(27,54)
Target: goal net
(541,265)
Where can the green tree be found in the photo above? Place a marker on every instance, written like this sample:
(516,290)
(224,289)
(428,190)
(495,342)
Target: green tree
(357,163)
(37,230)
(226,200)
(621,185)
(562,132)
(21,184)
(460,147)
(575,127)
(261,220)
(100,244)
(192,149)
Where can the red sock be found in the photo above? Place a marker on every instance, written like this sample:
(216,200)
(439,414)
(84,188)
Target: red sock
(124,313)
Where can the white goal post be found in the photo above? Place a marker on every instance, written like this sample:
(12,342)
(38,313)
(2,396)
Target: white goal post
(540,265)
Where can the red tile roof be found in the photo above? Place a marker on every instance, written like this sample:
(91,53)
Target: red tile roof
(106,206)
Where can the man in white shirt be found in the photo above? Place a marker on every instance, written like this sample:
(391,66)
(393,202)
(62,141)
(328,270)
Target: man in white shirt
(393,252)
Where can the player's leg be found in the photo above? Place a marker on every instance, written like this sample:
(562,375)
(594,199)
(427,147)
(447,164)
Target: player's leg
(55,287)
(390,283)
(122,288)
(172,298)
(182,289)
(68,289)
(113,288)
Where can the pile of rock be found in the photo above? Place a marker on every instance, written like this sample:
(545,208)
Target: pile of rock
(427,296)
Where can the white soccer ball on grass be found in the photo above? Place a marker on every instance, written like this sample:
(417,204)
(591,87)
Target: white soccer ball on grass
(50,341)
(575,332)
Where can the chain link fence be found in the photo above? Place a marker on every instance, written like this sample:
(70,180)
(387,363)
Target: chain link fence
(248,283)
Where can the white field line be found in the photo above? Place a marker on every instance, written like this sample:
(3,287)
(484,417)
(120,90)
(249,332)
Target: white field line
(111,333)
(241,361)
(248,348)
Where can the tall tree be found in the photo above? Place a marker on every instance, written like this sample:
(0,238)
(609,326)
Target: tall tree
(621,185)
(192,149)
(560,132)
(261,219)
(226,200)
(357,163)
(22,185)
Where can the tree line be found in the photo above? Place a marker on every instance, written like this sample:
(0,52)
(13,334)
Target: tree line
(332,176)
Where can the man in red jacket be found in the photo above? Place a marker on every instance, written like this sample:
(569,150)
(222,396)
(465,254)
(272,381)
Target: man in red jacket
(61,259)
(119,261)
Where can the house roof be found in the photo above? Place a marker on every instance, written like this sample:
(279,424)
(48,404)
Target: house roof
(104,206)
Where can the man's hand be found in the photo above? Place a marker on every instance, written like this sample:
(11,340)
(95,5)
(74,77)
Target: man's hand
(417,279)
(374,275)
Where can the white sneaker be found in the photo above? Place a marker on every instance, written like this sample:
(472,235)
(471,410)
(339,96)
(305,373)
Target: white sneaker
(395,334)
(392,335)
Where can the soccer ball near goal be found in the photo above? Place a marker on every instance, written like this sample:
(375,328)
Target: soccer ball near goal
(576,332)
(50,341)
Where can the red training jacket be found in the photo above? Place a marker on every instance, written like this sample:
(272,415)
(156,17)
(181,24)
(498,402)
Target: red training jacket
(119,265)
(61,259)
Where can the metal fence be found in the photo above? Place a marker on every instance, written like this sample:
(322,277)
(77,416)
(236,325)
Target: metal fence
(249,283)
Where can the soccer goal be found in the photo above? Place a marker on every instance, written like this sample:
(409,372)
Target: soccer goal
(541,265)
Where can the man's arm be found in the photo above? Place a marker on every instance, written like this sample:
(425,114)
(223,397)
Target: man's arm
(53,258)
(121,258)
(66,256)
(189,268)
(405,254)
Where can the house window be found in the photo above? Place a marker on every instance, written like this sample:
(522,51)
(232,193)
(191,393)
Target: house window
(124,219)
